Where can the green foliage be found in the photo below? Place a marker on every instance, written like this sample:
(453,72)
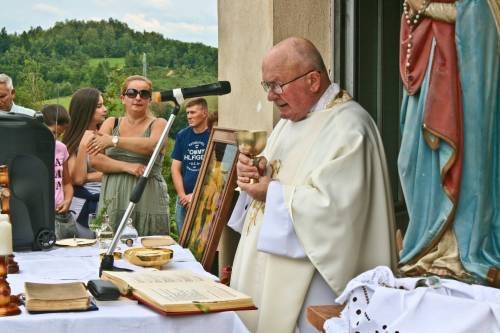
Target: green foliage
(75,54)
(103,211)
(64,101)
(30,92)
(112,62)
(48,66)
(167,162)
(99,78)
(111,93)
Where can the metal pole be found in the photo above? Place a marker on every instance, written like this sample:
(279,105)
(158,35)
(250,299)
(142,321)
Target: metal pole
(144,64)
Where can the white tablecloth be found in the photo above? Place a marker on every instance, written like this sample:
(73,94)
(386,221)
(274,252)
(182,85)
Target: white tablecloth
(82,264)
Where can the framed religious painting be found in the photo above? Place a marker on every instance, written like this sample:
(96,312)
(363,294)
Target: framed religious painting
(213,197)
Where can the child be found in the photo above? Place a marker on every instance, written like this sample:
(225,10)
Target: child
(57,119)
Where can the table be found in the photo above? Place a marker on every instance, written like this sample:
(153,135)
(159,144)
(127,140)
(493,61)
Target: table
(318,314)
(82,264)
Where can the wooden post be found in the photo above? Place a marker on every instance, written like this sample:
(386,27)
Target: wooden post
(7,306)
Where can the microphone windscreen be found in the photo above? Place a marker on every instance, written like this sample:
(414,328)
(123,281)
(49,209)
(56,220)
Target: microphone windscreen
(212,89)
(225,87)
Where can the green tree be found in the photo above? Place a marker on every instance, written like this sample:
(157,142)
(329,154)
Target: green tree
(99,77)
(30,91)
(112,93)
(4,40)
(91,44)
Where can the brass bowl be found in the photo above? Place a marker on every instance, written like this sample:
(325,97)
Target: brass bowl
(251,143)
(148,257)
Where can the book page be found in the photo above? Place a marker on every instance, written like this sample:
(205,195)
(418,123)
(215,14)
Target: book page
(181,293)
(136,279)
(176,287)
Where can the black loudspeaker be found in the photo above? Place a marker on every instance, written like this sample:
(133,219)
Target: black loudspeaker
(27,148)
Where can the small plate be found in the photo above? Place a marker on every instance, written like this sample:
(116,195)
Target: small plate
(74,242)
(155,241)
(148,257)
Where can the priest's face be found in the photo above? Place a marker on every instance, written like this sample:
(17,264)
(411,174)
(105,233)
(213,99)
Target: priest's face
(288,85)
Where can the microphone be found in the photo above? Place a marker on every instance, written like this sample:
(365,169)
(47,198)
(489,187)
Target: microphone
(179,94)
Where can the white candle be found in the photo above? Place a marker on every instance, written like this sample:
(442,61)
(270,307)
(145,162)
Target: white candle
(5,235)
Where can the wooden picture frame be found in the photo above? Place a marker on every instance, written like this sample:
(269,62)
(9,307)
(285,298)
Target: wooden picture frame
(213,197)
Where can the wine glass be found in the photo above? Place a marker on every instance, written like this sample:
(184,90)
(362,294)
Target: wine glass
(251,143)
(94,224)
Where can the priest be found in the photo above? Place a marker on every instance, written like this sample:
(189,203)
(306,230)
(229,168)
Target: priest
(320,211)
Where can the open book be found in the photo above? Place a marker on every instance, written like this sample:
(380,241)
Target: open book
(44,297)
(178,292)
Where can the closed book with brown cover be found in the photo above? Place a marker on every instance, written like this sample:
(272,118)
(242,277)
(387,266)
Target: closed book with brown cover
(46,297)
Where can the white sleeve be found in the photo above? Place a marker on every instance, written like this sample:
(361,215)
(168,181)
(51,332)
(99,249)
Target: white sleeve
(237,218)
(277,235)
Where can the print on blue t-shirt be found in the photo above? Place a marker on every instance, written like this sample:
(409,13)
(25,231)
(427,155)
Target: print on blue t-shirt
(189,149)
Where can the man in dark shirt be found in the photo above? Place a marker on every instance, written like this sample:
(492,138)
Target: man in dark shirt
(189,149)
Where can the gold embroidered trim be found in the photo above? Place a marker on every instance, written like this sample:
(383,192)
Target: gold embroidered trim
(446,12)
(443,260)
(495,11)
(275,168)
(341,97)
(255,208)
(453,158)
(493,277)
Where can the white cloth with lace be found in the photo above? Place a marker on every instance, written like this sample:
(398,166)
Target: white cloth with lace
(377,301)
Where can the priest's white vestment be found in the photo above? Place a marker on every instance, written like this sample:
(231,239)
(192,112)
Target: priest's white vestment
(332,172)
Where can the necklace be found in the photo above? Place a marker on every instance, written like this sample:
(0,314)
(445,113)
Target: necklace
(412,23)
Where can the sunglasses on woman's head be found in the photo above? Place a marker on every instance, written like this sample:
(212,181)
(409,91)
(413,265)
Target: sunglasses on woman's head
(132,93)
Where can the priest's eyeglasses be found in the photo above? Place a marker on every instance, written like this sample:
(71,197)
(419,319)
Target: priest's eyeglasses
(277,87)
(132,93)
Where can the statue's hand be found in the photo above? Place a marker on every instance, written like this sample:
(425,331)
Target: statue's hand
(415,5)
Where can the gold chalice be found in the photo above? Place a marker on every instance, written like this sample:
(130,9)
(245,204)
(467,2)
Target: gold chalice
(251,143)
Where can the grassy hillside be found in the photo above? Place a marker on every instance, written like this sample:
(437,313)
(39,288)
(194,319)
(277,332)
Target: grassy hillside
(47,63)
(113,62)
(64,101)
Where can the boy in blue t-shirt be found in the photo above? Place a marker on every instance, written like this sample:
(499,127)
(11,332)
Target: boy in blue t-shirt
(189,149)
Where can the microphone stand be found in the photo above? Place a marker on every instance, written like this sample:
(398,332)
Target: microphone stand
(107,262)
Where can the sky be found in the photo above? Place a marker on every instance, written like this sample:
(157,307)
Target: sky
(185,20)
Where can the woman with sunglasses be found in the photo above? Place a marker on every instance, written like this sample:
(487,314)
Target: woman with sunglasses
(87,112)
(121,150)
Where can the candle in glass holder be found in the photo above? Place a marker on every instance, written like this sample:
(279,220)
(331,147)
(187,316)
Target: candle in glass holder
(5,235)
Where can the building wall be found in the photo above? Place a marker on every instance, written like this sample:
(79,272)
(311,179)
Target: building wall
(247,29)
(245,33)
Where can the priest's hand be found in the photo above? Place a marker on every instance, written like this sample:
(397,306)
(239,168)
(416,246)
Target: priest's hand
(245,169)
(257,191)
(248,168)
